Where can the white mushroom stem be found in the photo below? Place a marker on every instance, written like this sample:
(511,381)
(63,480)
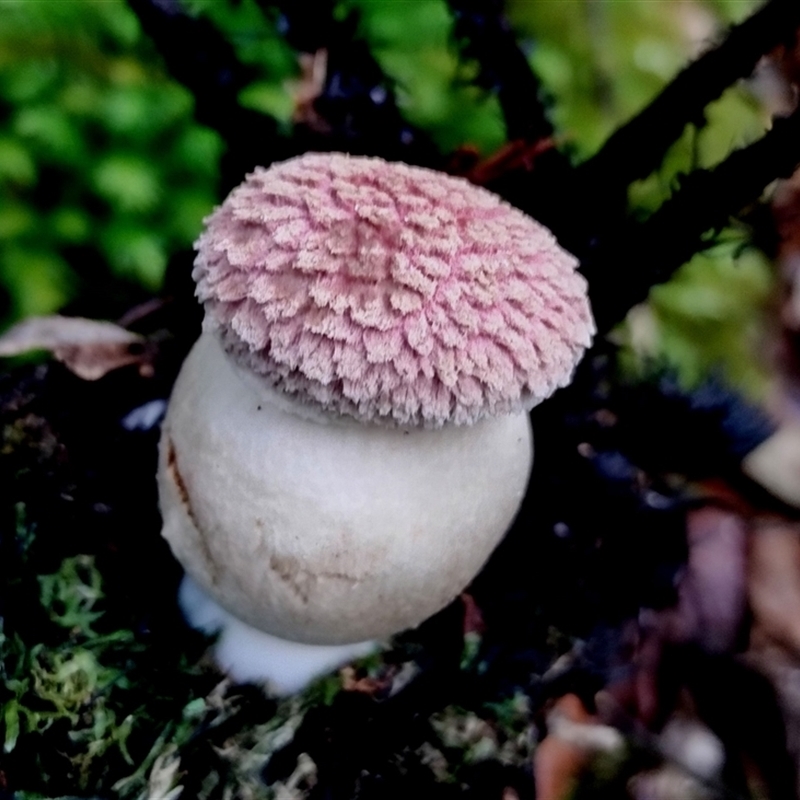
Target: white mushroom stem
(325,530)
(249,655)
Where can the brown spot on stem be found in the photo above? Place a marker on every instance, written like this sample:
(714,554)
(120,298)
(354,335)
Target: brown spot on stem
(183,494)
(300,579)
(291,573)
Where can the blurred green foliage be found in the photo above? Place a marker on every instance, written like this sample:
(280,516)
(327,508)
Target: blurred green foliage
(104,171)
(102,167)
(413,44)
(100,159)
(600,63)
(257,43)
(709,319)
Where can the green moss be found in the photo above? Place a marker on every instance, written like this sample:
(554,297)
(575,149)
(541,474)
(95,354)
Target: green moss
(97,135)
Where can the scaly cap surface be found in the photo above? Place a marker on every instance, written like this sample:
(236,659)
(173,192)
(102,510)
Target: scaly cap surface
(390,292)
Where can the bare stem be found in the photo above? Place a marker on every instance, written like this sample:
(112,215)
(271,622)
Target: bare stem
(638,147)
(485,35)
(621,269)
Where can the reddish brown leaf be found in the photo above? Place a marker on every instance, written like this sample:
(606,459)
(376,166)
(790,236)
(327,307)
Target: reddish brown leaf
(307,88)
(473,618)
(516,156)
(90,348)
(574,737)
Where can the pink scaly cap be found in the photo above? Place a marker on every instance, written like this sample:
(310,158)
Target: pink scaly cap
(390,292)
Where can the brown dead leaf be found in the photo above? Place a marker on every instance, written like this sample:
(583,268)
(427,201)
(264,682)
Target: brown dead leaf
(89,348)
(557,766)
(711,609)
(774,582)
(365,685)
(307,88)
(574,736)
(389,680)
(473,617)
(635,694)
(517,156)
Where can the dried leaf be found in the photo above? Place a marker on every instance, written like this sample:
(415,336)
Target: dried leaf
(516,156)
(473,617)
(89,348)
(710,612)
(774,582)
(365,685)
(574,737)
(308,87)
(774,586)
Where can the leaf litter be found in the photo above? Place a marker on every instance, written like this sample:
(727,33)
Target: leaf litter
(552,675)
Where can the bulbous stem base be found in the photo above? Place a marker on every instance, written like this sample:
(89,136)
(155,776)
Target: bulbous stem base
(249,655)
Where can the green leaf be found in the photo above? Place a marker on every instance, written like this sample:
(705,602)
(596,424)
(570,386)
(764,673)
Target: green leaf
(413,45)
(29,79)
(71,594)
(16,164)
(15,220)
(72,225)
(186,214)
(51,132)
(128,182)
(12,726)
(39,282)
(268,98)
(709,318)
(134,252)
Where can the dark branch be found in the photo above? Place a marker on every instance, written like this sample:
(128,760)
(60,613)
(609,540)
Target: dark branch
(622,269)
(530,172)
(638,148)
(307,26)
(356,109)
(485,35)
(198,56)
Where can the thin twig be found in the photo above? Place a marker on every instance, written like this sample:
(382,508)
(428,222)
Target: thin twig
(485,35)
(356,109)
(199,57)
(622,269)
(305,24)
(638,147)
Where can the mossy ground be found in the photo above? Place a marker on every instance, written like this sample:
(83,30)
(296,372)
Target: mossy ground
(107,693)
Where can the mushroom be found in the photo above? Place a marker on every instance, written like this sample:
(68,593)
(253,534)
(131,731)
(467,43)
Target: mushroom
(348,440)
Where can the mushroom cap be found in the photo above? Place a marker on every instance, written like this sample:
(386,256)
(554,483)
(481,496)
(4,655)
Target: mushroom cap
(389,292)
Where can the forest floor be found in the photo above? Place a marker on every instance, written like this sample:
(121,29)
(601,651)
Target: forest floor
(636,634)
